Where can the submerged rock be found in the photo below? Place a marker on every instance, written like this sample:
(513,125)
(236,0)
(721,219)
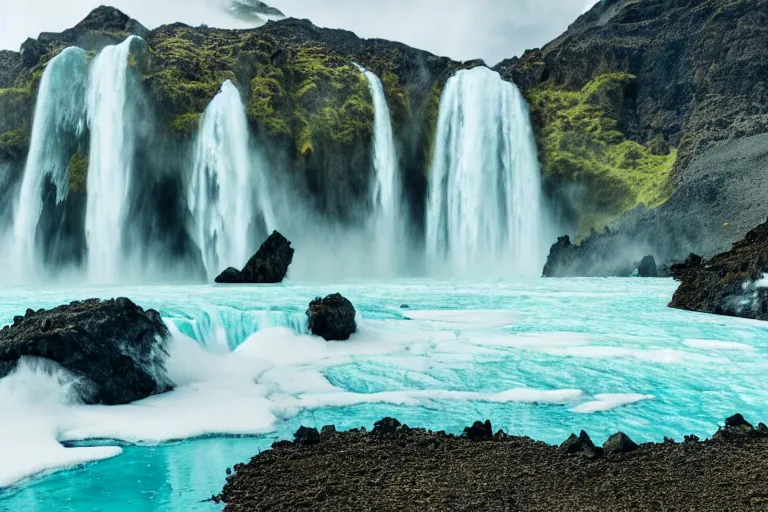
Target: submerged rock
(728,283)
(114,344)
(268,266)
(332,318)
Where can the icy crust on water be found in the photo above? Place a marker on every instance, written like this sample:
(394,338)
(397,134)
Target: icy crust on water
(538,357)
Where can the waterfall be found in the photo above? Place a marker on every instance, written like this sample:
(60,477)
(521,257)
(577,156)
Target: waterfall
(228,190)
(110,161)
(59,119)
(484,210)
(385,193)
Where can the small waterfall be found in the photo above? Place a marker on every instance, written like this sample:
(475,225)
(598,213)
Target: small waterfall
(227,191)
(386,187)
(110,161)
(484,211)
(58,121)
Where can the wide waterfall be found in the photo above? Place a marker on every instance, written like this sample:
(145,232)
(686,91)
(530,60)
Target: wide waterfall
(110,161)
(484,211)
(228,191)
(59,119)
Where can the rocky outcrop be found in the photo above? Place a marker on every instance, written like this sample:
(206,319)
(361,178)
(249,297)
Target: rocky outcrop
(629,78)
(581,445)
(116,346)
(414,469)
(268,266)
(332,318)
(647,267)
(728,283)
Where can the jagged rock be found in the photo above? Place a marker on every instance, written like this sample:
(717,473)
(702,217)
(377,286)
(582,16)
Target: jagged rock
(581,445)
(647,267)
(31,52)
(306,435)
(727,284)
(332,318)
(692,261)
(268,266)
(327,430)
(738,421)
(114,344)
(479,431)
(231,276)
(595,256)
(386,426)
(737,428)
(619,443)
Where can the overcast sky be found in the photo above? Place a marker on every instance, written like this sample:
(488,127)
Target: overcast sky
(461,29)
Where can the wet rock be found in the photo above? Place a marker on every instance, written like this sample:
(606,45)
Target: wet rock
(595,256)
(692,261)
(327,430)
(386,426)
(736,427)
(727,284)
(619,443)
(116,346)
(268,266)
(306,435)
(581,445)
(479,431)
(332,318)
(647,267)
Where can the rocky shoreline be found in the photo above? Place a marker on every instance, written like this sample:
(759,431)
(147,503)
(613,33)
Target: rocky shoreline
(395,467)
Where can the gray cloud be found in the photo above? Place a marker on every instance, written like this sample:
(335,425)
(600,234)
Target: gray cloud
(488,29)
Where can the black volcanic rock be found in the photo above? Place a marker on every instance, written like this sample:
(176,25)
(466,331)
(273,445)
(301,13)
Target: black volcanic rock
(619,443)
(332,318)
(114,344)
(581,445)
(268,266)
(103,26)
(593,257)
(479,431)
(727,284)
(647,267)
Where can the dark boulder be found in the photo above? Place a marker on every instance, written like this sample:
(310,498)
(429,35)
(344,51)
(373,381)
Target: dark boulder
(479,431)
(619,443)
(599,255)
(386,426)
(581,445)
(647,267)
(268,266)
(114,344)
(332,318)
(728,283)
(306,435)
(737,428)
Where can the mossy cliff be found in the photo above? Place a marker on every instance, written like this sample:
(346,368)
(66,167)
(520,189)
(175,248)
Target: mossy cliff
(660,103)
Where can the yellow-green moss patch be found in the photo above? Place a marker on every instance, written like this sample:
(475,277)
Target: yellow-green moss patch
(78,172)
(186,124)
(581,144)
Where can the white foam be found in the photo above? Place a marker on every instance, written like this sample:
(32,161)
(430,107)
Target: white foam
(606,402)
(718,345)
(663,356)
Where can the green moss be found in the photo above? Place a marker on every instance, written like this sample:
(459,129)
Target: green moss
(581,144)
(78,172)
(186,124)
(14,143)
(267,96)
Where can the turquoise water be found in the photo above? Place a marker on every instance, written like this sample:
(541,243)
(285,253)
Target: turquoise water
(538,357)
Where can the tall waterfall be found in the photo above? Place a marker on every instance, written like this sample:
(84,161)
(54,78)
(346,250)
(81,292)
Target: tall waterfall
(59,119)
(228,191)
(110,161)
(385,193)
(484,211)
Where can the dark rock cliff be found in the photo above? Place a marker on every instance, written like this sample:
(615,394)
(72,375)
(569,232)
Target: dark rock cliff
(631,81)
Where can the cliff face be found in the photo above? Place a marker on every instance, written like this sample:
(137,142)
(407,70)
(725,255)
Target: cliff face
(662,103)
(304,97)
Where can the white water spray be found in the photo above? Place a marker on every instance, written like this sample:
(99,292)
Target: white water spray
(59,119)
(484,211)
(227,190)
(111,161)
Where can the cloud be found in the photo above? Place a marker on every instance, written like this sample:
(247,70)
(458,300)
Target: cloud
(488,29)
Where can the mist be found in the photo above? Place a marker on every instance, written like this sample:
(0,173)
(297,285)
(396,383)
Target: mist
(489,29)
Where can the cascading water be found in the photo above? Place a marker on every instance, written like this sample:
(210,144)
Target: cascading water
(484,211)
(385,193)
(110,161)
(227,190)
(59,119)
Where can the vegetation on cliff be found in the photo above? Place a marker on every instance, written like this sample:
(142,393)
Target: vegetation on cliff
(581,145)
